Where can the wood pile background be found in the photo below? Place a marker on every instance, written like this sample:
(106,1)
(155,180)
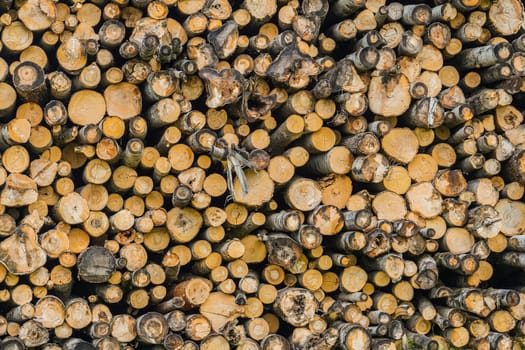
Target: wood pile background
(262,174)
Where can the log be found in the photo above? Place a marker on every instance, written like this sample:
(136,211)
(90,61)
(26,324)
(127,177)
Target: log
(497,17)
(29,82)
(96,265)
(381,94)
(123,100)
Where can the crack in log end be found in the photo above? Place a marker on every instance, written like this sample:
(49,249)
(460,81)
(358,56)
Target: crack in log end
(223,88)
(296,306)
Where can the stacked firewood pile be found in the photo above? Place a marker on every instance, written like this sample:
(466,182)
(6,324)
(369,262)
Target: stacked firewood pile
(262,174)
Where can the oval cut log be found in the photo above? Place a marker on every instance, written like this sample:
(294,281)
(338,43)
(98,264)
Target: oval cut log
(123,100)
(260,188)
(388,95)
(96,265)
(296,306)
(425,200)
(86,107)
(19,190)
(400,144)
(37,15)
(183,224)
(20,253)
(73,209)
(512,216)
(220,309)
(506,16)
